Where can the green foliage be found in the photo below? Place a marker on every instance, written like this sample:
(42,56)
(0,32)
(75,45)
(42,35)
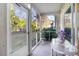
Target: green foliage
(49,33)
(33,26)
(16,22)
(22,25)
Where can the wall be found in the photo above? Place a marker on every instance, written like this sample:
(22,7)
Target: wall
(3,29)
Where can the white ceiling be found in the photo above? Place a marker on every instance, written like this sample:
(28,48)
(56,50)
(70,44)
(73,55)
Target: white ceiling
(48,7)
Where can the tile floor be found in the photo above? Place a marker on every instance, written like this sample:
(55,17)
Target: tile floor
(43,49)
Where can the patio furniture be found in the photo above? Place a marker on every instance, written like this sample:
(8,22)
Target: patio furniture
(62,49)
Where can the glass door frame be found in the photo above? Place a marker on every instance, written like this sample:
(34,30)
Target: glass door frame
(9,43)
(33,8)
(72,23)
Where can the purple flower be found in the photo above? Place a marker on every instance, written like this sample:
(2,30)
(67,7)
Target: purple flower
(61,35)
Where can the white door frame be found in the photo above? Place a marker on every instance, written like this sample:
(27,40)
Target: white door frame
(9,43)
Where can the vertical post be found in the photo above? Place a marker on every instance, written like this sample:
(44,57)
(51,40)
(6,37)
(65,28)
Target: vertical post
(72,25)
(29,29)
(36,32)
(55,23)
(49,35)
(9,42)
(36,37)
(75,25)
(40,28)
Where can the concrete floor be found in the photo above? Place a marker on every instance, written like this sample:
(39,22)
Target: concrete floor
(43,49)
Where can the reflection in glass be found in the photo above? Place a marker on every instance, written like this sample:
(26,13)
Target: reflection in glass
(18,17)
(34,20)
(68,24)
(35,27)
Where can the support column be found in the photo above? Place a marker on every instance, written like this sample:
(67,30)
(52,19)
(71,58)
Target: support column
(29,30)
(40,29)
(72,24)
(75,24)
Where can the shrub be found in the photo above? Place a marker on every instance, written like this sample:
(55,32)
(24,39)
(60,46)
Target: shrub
(48,36)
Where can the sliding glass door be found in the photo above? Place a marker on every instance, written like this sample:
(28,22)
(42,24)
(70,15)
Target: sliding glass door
(18,27)
(35,28)
(68,24)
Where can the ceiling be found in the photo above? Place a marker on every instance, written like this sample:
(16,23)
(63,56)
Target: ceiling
(48,7)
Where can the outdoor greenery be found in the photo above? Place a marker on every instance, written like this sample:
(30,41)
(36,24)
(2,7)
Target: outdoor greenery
(17,24)
(49,33)
(35,26)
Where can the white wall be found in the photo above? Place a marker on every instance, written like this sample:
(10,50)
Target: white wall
(3,29)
